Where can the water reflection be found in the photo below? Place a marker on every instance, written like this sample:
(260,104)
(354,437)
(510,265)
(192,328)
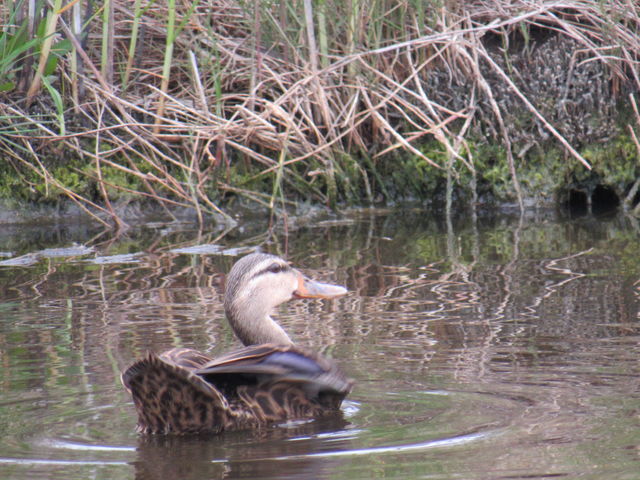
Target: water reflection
(243,454)
(502,348)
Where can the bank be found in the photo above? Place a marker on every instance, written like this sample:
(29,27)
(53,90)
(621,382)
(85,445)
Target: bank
(205,106)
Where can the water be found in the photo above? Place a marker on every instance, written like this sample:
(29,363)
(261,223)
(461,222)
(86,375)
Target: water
(501,349)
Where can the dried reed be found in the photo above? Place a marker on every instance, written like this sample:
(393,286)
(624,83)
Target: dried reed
(189,94)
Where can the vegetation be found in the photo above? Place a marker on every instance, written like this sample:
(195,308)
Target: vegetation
(198,103)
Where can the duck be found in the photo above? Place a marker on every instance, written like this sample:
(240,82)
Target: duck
(268,381)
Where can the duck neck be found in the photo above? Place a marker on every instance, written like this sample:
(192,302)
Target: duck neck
(253,325)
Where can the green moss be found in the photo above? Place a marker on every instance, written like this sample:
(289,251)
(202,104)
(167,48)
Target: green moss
(544,172)
(411,177)
(20,183)
(616,162)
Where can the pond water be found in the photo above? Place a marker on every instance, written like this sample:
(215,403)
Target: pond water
(490,349)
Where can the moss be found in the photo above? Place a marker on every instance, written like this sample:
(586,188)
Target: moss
(411,177)
(544,172)
(20,183)
(616,162)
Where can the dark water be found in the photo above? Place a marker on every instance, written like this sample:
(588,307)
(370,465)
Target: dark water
(502,350)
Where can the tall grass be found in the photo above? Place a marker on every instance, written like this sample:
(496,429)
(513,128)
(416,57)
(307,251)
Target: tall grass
(191,103)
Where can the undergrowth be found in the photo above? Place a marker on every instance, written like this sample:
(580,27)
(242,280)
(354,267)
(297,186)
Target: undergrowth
(193,103)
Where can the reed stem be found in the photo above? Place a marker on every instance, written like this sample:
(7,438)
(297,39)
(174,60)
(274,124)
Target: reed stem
(52,20)
(166,65)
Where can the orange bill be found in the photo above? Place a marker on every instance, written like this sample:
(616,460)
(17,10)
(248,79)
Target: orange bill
(308,288)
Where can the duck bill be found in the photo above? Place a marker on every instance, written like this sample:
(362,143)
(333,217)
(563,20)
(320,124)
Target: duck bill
(308,288)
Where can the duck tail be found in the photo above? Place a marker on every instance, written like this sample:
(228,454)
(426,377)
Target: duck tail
(171,399)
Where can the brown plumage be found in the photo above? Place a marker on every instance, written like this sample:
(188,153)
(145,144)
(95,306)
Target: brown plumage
(183,391)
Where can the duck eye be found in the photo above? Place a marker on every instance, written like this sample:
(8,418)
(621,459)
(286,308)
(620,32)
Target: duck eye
(276,268)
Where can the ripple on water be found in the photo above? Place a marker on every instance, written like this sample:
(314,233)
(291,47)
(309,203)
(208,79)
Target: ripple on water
(473,356)
(294,446)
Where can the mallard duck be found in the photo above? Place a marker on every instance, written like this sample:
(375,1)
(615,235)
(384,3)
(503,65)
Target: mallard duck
(183,391)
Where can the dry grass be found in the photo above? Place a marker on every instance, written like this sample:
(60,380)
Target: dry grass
(177,95)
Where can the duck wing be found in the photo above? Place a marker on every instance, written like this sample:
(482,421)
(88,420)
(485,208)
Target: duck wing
(265,365)
(186,357)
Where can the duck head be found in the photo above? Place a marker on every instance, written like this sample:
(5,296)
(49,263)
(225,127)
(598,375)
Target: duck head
(256,285)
